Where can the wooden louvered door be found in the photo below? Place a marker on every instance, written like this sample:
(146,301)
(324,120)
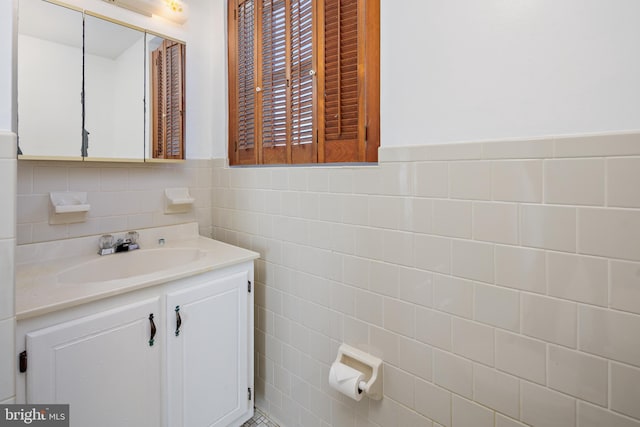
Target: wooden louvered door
(299,92)
(286,81)
(168,100)
(272,82)
(243,111)
(302,82)
(349,51)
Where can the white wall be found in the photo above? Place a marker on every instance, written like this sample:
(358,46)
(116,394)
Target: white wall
(6,64)
(200,90)
(218,77)
(459,70)
(468,70)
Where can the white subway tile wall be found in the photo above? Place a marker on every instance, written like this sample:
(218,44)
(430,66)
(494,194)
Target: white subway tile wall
(496,390)
(620,172)
(574,181)
(8,178)
(498,281)
(578,374)
(7,358)
(625,286)
(544,407)
(465,413)
(122,196)
(549,319)
(625,386)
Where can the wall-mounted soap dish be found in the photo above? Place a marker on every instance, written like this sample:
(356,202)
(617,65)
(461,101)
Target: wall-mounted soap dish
(68,207)
(177,200)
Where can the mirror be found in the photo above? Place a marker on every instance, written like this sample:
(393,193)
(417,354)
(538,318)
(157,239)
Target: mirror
(165,92)
(114,90)
(83,82)
(49,80)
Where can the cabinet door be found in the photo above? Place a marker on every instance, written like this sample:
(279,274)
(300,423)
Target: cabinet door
(103,365)
(207,357)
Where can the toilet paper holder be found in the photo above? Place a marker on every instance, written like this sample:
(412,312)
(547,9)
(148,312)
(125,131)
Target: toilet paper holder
(369,365)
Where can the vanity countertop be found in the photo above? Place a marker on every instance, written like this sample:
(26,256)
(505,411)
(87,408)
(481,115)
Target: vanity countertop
(45,281)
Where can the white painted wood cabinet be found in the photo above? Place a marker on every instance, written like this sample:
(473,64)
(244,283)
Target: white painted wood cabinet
(102,365)
(198,372)
(208,379)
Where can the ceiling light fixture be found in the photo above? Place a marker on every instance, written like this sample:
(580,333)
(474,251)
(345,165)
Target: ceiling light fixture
(173,10)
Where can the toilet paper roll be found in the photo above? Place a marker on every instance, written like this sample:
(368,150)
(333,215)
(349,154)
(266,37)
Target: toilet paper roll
(345,379)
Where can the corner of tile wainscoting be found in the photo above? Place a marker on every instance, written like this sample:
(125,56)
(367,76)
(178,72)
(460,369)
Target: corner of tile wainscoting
(122,196)
(499,281)
(8,145)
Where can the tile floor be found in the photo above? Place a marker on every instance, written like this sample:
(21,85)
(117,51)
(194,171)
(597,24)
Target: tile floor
(259,420)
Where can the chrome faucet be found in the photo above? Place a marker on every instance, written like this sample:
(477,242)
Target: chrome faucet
(108,245)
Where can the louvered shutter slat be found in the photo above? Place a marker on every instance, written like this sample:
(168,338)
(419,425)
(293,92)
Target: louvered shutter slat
(301,77)
(341,70)
(246,85)
(274,78)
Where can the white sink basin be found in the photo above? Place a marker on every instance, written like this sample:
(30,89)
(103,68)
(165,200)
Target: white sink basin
(128,264)
(52,276)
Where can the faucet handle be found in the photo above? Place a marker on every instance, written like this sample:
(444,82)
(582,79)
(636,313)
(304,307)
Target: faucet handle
(131,236)
(106,241)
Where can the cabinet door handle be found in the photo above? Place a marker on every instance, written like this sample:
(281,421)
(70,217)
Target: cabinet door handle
(178,320)
(153,330)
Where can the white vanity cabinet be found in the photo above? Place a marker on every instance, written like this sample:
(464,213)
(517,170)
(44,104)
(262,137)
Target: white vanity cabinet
(208,381)
(105,365)
(99,358)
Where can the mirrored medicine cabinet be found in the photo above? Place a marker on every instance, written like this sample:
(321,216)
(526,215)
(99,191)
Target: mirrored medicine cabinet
(94,89)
